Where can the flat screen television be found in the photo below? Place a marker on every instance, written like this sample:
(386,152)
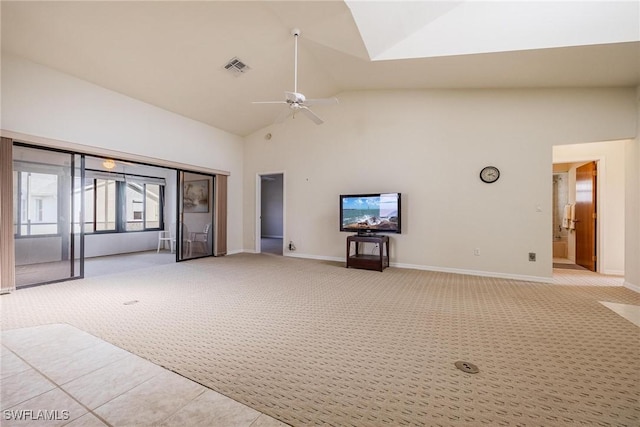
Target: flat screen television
(367,214)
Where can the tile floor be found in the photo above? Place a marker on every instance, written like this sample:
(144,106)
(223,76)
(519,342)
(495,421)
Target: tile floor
(54,375)
(628,311)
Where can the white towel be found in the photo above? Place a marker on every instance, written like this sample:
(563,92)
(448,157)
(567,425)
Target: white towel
(566,218)
(572,217)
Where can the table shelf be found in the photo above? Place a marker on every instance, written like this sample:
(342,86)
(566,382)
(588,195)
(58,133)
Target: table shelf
(377,262)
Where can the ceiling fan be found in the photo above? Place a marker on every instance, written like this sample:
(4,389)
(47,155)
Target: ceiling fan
(295,100)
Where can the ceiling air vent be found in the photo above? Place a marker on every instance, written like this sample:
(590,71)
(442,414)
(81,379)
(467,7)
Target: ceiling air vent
(236,67)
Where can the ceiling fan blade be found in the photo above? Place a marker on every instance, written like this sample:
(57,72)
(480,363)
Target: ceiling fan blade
(313,116)
(321,101)
(269,102)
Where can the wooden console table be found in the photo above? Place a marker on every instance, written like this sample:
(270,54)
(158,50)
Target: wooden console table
(369,262)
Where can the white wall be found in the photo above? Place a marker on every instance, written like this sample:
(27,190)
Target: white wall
(119,243)
(42,102)
(431,145)
(632,208)
(610,157)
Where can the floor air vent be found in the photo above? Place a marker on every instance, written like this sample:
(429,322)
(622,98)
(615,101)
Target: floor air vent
(467,367)
(236,67)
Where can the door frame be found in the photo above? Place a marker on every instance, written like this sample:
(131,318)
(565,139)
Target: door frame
(258,210)
(179,229)
(74,239)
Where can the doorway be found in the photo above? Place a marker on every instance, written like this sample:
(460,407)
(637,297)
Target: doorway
(270,213)
(575,215)
(608,192)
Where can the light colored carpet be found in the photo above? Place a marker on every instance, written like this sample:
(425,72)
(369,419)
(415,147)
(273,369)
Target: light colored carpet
(313,343)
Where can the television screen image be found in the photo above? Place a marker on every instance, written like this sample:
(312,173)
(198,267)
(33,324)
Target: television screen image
(370,213)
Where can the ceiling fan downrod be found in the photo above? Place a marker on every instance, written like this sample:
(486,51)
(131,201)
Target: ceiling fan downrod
(295,32)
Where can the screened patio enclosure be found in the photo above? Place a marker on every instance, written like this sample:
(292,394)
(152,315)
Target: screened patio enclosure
(71,207)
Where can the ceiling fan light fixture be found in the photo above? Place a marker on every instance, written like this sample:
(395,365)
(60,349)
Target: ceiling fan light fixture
(108,164)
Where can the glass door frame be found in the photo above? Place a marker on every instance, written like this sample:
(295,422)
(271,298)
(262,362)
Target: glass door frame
(76,241)
(185,244)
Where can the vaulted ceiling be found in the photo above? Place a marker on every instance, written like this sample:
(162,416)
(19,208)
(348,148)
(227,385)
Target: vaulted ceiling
(172,53)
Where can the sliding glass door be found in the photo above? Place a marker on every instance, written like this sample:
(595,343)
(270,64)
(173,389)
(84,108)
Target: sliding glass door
(47,187)
(195,214)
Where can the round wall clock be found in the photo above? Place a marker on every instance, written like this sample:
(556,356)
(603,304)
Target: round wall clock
(489,174)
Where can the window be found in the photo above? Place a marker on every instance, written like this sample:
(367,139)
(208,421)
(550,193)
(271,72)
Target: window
(152,205)
(122,204)
(135,206)
(35,203)
(99,205)
(39,209)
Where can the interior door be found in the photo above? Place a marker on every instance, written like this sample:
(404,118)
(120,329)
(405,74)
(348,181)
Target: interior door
(586,215)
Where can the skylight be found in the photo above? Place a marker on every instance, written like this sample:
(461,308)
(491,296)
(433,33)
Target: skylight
(444,28)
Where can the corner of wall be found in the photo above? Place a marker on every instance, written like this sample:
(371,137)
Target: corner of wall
(632,211)
(631,286)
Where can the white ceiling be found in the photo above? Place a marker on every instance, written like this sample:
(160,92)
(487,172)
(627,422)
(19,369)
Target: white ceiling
(171,53)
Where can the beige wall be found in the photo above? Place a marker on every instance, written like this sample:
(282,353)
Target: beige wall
(431,145)
(42,102)
(632,231)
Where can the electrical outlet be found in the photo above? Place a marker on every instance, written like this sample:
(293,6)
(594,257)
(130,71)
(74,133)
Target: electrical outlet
(532,256)
(476,251)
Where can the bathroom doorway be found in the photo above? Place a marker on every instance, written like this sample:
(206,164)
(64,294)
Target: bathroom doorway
(601,192)
(575,216)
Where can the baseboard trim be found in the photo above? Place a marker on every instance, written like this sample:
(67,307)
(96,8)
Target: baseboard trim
(613,272)
(519,277)
(318,257)
(631,286)
(240,251)
(498,275)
